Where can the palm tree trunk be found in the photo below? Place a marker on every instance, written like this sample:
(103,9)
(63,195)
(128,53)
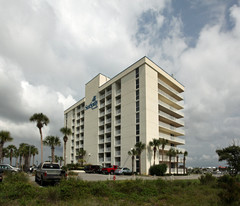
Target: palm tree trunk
(184,169)
(64,153)
(177,165)
(40,130)
(33,159)
(17,161)
(140,172)
(154,155)
(53,157)
(11,158)
(162,153)
(1,154)
(132,163)
(170,162)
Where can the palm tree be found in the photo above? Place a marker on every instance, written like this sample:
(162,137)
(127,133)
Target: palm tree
(163,142)
(80,154)
(60,159)
(155,143)
(11,149)
(5,153)
(16,155)
(132,153)
(139,148)
(34,152)
(56,158)
(65,131)
(52,141)
(5,136)
(177,154)
(171,153)
(184,161)
(22,152)
(41,120)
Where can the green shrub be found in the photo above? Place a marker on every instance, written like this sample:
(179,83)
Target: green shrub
(207,179)
(158,170)
(231,190)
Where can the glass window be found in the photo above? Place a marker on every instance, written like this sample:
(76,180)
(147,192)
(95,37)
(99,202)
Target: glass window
(137,106)
(137,139)
(137,129)
(137,83)
(137,117)
(137,94)
(137,73)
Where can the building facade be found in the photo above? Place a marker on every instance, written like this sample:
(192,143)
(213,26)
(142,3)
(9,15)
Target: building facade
(141,103)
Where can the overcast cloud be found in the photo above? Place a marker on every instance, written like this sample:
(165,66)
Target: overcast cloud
(50,49)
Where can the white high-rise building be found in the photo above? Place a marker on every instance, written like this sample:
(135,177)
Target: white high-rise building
(141,103)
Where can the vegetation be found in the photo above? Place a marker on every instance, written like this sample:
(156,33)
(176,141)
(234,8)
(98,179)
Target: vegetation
(65,131)
(80,154)
(155,143)
(52,141)
(232,155)
(139,146)
(163,143)
(16,190)
(158,170)
(5,136)
(171,153)
(132,153)
(41,120)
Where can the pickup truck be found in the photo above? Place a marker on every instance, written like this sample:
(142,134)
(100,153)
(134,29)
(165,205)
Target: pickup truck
(49,172)
(110,170)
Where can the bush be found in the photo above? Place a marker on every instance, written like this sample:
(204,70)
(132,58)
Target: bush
(207,179)
(231,189)
(158,170)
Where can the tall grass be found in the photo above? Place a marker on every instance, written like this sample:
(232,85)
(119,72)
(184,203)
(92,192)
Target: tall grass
(17,190)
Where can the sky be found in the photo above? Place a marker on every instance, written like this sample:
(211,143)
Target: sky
(50,49)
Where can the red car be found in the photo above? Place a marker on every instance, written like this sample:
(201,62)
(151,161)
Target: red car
(110,170)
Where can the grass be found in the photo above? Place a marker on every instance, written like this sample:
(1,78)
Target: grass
(17,190)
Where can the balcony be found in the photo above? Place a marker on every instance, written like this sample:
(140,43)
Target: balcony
(101,131)
(176,94)
(118,92)
(102,114)
(109,102)
(101,150)
(118,142)
(101,141)
(169,109)
(118,121)
(108,130)
(118,111)
(102,96)
(101,159)
(108,120)
(171,119)
(176,140)
(118,101)
(117,132)
(108,159)
(108,111)
(108,149)
(108,92)
(101,123)
(102,105)
(168,147)
(118,153)
(171,129)
(170,100)
(108,139)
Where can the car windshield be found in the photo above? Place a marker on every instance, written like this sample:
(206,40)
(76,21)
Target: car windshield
(51,166)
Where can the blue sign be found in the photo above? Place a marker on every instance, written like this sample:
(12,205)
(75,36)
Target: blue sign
(93,104)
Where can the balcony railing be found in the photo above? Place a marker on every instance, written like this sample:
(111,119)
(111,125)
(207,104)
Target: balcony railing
(171,108)
(171,117)
(108,129)
(101,140)
(108,149)
(109,111)
(102,96)
(118,91)
(170,98)
(117,132)
(118,153)
(118,121)
(108,120)
(118,111)
(102,105)
(175,129)
(118,101)
(170,88)
(108,139)
(101,150)
(168,147)
(109,102)
(108,159)
(108,92)
(117,142)
(171,138)
(101,159)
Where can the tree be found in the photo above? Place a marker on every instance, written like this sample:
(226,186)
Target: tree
(5,153)
(171,153)
(34,152)
(16,155)
(184,161)
(177,154)
(231,154)
(11,149)
(5,136)
(80,154)
(41,120)
(163,142)
(60,159)
(65,131)
(139,148)
(132,153)
(155,143)
(52,141)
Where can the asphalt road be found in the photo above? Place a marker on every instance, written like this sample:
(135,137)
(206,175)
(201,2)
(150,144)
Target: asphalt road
(100,177)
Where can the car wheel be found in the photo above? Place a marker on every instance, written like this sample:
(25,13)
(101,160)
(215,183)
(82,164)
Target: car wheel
(42,183)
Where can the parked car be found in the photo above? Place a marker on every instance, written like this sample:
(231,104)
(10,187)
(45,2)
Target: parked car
(49,172)
(111,169)
(93,168)
(32,168)
(1,175)
(8,167)
(123,171)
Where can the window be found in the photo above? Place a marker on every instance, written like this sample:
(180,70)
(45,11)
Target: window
(137,139)
(137,73)
(137,83)
(137,117)
(137,106)
(137,129)
(137,94)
